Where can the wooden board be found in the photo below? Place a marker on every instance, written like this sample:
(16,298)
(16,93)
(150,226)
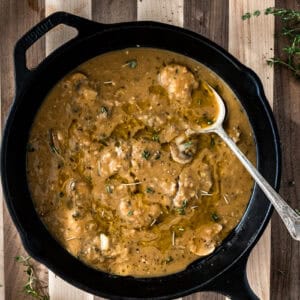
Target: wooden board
(251,41)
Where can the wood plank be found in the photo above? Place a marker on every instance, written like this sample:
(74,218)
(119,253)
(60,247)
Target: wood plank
(166,11)
(114,11)
(16,17)
(285,275)
(252,41)
(209,18)
(58,288)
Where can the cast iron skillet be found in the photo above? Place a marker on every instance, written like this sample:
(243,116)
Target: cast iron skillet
(224,270)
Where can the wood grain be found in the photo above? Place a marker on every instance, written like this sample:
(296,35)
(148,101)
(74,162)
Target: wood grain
(166,11)
(16,17)
(58,288)
(114,11)
(285,275)
(209,18)
(252,41)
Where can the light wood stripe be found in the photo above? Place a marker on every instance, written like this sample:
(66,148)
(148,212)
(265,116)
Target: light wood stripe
(58,288)
(166,11)
(252,41)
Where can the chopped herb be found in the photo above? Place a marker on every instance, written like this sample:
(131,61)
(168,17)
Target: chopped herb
(155,137)
(30,148)
(205,119)
(297,211)
(188,144)
(246,16)
(149,190)
(256,13)
(215,217)
(169,259)
(146,154)
(33,287)
(104,110)
(181,210)
(131,63)
(108,189)
(180,228)
(130,213)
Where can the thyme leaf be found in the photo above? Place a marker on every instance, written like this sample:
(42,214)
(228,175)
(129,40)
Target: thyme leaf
(33,287)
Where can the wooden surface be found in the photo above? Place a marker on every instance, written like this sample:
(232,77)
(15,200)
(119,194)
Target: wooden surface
(274,266)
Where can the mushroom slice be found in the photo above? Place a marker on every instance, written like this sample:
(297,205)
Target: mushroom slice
(204,241)
(183,150)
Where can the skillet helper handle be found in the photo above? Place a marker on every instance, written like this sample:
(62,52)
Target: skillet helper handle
(82,25)
(233,283)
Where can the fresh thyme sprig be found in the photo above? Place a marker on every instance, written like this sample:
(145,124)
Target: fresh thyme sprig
(33,286)
(290,56)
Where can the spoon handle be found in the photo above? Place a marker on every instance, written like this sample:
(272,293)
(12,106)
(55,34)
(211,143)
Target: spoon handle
(289,216)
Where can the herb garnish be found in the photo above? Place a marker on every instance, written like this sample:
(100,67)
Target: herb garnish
(33,286)
(290,55)
(297,211)
(155,137)
(215,217)
(181,209)
(104,110)
(150,190)
(131,63)
(188,144)
(146,154)
(130,213)
(108,189)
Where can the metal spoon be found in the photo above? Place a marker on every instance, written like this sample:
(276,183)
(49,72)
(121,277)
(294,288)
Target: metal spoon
(289,216)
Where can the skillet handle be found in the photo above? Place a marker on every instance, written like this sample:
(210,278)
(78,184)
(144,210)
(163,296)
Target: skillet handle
(82,25)
(233,283)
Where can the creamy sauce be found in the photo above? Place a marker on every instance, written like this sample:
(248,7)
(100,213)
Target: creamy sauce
(113,175)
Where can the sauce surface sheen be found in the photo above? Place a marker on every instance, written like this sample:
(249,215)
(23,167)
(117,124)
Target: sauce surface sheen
(115,178)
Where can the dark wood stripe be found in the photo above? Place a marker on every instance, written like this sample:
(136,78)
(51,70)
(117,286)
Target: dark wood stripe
(285,255)
(209,18)
(114,11)
(16,17)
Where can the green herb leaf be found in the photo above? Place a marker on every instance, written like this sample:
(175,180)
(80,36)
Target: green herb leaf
(108,189)
(130,213)
(155,137)
(146,154)
(246,16)
(104,110)
(297,211)
(33,285)
(131,63)
(215,217)
(150,190)
(256,13)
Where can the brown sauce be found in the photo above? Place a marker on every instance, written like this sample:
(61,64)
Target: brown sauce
(113,175)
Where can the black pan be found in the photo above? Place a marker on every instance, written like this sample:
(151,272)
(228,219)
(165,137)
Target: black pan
(224,270)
